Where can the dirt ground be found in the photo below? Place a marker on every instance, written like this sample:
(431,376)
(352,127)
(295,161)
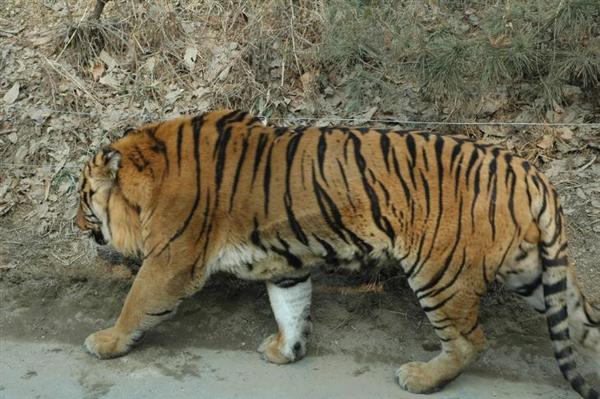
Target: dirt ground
(361,336)
(56,286)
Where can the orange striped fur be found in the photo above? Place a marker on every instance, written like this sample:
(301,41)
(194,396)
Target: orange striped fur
(221,191)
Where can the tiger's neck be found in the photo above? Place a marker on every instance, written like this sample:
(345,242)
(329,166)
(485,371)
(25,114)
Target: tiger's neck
(125,225)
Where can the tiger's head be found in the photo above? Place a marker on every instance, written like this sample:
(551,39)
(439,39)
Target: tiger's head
(96,188)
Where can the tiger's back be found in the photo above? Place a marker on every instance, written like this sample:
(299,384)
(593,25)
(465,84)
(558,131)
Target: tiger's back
(224,192)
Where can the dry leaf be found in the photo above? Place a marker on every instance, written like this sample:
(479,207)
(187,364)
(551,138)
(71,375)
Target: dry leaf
(172,96)
(496,131)
(546,142)
(39,115)
(150,64)
(97,71)
(108,60)
(41,40)
(109,80)
(566,134)
(190,57)
(500,41)
(12,94)
(308,80)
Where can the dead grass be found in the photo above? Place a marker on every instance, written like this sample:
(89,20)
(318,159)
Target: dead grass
(83,82)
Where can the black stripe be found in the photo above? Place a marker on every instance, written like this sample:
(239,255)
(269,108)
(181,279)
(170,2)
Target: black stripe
(384,142)
(164,312)
(425,161)
(137,158)
(280,131)
(555,288)
(110,190)
(179,143)
(476,191)
(427,195)
(458,175)
(522,255)
(473,328)
(159,147)
(456,150)
(290,281)
(417,262)
(267,178)
(472,160)
(207,238)
(556,262)
(255,236)
(260,148)
(492,207)
(405,188)
(205,218)
(238,171)
(530,288)
(484,272)
(590,319)
(451,282)
(438,305)
(565,352)
(344,178)
(492,167)
(230,117)
(556,318)
(321,149)
(412,150)
(330,254)
(439,151)
(440,328)
(220,151)
(292,147)
(291,259)
(562,335)
(567,368)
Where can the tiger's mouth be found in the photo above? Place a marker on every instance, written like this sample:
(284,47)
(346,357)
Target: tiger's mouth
(98,237)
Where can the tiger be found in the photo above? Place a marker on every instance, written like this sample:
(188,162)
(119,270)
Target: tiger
(224,192)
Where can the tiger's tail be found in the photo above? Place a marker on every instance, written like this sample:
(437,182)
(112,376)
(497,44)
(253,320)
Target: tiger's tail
(569,317)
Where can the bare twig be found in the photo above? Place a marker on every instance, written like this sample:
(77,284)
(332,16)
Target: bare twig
(98,8)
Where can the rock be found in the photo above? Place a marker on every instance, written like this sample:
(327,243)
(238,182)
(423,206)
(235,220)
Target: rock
(12,94)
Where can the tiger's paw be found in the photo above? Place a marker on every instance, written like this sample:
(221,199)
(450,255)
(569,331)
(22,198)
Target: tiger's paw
(275,350)
(417,377)
(106,344)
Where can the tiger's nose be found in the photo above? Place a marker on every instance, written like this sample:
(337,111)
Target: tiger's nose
(98,237)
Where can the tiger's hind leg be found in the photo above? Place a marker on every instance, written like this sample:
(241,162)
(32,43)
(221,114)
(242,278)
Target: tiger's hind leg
(290,301)
(454,314)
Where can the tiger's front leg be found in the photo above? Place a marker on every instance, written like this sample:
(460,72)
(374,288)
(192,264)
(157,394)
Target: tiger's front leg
(154,297)
(290,301)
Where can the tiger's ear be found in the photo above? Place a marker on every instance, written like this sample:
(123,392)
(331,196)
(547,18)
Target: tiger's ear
(112,159)
(128,130)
